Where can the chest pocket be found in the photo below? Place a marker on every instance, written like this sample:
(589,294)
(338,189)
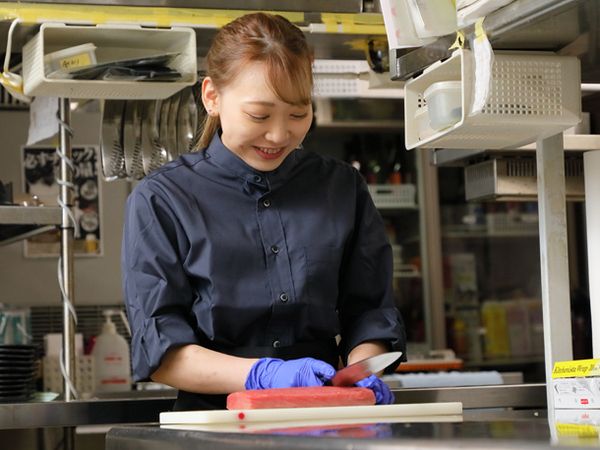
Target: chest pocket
(322,274)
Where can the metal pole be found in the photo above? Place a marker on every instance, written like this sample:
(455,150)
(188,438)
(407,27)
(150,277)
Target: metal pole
(66,253)
(431,250)
(554,259)
(591,166)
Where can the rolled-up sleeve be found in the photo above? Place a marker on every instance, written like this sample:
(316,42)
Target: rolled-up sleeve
(158,296)
(367,308)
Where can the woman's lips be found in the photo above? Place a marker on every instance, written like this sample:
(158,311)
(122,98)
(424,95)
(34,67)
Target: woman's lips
(269,153)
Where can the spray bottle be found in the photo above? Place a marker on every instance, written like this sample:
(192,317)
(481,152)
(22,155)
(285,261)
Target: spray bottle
(111,357)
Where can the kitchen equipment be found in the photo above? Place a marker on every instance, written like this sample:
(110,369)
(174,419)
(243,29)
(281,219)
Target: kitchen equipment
(444,103)
(111,143)
(322,413)
(187,120)
(132,140)
(172,142)
(362,369)
(18,368)
(153,155)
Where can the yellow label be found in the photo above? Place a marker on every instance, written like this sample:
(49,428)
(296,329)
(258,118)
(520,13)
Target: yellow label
(75,61)
(580,430)
(580,368)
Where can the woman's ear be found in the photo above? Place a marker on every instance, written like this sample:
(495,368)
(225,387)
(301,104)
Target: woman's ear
(210,97)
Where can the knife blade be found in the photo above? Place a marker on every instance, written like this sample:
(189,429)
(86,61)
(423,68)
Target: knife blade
(362,369)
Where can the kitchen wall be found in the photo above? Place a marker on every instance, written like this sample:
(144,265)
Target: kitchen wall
(29,282)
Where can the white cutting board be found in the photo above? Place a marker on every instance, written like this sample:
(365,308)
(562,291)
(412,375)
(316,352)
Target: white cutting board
(320,413)
(300,425)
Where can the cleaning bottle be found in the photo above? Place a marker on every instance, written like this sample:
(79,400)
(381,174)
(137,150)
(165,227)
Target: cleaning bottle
(111,358)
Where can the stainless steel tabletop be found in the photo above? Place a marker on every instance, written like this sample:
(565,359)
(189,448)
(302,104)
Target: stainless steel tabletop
(145,406)
(497,430)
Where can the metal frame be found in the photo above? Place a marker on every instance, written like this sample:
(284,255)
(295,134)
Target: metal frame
(591,165)
(554,258)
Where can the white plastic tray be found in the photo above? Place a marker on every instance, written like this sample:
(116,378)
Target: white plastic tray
(112,43)
(531,96)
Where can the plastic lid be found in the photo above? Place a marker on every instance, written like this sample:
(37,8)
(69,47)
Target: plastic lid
(441,85)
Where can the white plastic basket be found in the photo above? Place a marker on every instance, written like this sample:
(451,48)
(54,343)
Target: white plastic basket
(393,195)
(531,96)
(84,376)
(112,44)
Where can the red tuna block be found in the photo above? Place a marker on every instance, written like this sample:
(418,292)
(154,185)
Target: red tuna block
(300,397)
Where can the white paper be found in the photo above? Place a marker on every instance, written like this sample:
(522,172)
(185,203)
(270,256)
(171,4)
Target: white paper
(484,58)
(43,122)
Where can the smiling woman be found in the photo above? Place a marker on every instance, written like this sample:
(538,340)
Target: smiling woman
(253,263)
(257,125)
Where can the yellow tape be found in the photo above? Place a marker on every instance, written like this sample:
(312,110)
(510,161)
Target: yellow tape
(579,430)
(579,368)
(138,15)
(479,31)
(459,42)
(353,23)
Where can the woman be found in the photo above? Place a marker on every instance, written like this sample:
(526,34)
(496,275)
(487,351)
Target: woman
(244,260)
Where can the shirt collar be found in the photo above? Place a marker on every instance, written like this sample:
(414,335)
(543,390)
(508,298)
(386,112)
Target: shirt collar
(267,181)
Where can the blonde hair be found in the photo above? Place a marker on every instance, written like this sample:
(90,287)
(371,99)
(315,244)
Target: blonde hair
(266,38)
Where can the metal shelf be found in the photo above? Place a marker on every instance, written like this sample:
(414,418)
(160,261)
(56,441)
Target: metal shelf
(507,28)
(19,232)
(577,143)
(22,222)
(30,215)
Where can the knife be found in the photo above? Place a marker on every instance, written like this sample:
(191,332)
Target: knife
(362,369)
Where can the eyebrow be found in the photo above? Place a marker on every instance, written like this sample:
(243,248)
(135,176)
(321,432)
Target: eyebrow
(259,102)
(265,103)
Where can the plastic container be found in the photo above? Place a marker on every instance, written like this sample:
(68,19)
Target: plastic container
(531,96)
(113,43)
(111,358)
(444,104)
(61,62)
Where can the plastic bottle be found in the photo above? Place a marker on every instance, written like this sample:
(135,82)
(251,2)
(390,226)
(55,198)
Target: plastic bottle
(111,358)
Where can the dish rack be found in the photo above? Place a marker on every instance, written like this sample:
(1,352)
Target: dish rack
(389,196)
(112,43)
(531,96)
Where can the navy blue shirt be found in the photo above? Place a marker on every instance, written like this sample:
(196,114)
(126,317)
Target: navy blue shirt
(219,254)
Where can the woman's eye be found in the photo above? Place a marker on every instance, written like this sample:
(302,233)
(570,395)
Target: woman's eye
(257,117)
(299,116)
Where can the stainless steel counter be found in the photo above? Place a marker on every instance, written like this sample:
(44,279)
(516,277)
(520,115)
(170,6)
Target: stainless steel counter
(510,431)
(145,406)
(82,412)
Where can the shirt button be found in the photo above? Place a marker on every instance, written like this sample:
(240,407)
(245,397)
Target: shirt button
(276,344)
(274,249)
(284,297)
(257,178)
(266,203)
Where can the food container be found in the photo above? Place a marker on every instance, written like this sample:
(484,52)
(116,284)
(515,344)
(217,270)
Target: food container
(58,64)
(444,104)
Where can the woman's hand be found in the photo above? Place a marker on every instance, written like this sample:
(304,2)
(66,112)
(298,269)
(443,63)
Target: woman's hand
(275,373)
(383,394)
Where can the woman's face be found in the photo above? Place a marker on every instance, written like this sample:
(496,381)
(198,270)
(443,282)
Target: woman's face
(257,125)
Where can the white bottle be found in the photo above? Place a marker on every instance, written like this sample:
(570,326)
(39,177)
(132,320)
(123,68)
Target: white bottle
(111,358)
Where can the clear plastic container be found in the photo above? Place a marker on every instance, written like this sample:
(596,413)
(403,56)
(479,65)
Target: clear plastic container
(58,64)
(444,104)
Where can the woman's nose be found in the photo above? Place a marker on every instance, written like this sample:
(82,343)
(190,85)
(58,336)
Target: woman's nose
(278,132)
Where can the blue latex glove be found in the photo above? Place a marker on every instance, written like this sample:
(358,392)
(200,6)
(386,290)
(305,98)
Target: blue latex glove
(383,395)
(275,373)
